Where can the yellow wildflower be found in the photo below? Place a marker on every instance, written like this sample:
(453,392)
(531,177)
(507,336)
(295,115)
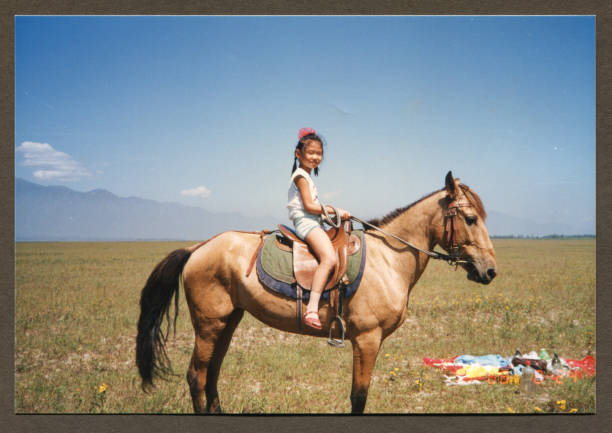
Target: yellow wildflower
(510,410)
(537,409)
(419,383)
(102,388)
(573,410)
(396,369)
(561,404)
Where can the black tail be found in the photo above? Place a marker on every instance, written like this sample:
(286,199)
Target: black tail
(155,300)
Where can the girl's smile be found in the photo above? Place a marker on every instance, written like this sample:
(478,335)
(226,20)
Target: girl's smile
(310,156)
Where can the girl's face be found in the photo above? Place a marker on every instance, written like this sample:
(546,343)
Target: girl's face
(311,155)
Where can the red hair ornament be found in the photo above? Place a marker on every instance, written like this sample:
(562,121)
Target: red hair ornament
(305,131)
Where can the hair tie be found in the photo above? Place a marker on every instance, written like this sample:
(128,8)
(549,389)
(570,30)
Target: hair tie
(305,131)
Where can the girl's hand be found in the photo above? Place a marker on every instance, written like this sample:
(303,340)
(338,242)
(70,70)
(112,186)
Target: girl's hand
(344,214)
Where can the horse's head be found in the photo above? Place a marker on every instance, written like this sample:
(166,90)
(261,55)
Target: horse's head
(465,235)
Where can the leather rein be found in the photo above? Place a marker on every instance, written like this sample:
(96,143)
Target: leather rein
(452,259)
(449,234)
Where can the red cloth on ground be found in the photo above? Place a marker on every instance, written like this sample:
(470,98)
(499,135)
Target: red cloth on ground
(586,365)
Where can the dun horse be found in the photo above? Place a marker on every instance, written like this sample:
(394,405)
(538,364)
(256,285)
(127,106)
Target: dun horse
(218,292)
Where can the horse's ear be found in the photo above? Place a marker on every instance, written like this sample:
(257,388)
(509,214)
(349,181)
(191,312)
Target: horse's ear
(451,187)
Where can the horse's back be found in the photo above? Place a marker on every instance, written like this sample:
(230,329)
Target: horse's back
(222,249)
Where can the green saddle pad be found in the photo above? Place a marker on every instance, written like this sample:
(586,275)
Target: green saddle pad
(278,264)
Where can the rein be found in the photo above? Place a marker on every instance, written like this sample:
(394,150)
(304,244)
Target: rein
(452,259)
(449,232)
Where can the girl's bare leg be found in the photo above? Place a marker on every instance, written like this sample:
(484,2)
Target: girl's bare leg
(322,247)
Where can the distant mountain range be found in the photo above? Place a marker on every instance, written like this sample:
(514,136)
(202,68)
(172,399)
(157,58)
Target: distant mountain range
(58,213)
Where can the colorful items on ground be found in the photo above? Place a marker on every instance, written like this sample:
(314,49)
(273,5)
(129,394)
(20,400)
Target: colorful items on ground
(469,369)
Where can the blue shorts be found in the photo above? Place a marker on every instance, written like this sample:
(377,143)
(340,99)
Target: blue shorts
(304,224)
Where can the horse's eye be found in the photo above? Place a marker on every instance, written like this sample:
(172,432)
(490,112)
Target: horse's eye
(470,220)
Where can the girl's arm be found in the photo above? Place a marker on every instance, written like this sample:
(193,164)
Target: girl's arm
(309,205)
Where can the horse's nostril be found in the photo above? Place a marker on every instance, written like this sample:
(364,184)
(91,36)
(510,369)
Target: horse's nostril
(491,273)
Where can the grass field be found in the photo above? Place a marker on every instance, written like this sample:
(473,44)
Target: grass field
(77,308)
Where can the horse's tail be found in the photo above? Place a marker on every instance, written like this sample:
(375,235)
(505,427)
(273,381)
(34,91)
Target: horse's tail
(155,300)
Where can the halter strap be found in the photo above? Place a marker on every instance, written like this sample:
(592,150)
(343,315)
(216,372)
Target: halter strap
(449,225)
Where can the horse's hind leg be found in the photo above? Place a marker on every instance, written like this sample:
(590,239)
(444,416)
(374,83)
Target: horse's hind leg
(212,340)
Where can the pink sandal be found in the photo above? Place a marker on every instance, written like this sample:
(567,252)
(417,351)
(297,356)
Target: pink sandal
(311,318)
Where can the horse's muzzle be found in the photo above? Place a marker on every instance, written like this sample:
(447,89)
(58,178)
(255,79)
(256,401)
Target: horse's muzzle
(484,277)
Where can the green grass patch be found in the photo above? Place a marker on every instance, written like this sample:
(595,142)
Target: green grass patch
(77,309)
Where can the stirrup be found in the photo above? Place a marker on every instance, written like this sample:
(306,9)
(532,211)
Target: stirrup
(336,342)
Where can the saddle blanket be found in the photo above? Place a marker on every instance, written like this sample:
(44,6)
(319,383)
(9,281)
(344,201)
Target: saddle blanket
(275,269)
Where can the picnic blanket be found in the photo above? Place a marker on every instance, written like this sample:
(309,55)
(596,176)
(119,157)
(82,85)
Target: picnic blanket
(493,368)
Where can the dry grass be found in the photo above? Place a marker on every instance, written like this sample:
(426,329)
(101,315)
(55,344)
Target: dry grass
(77,308)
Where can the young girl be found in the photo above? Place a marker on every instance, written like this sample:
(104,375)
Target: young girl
(305,211)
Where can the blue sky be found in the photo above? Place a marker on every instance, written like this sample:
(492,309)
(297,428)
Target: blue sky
(205,110)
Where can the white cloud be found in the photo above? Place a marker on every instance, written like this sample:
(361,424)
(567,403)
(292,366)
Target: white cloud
(199,191)
(52,163)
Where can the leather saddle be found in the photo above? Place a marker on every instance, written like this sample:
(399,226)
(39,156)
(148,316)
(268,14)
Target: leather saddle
(305,261)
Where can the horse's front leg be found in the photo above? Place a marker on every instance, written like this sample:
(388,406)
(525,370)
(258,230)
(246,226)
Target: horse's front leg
(365,351)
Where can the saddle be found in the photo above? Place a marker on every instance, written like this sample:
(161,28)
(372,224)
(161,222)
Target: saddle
(305,262)
(286,265)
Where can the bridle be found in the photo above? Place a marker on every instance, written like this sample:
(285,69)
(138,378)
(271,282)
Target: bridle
(449,229)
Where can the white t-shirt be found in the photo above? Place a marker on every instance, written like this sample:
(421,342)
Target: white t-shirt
(294,200)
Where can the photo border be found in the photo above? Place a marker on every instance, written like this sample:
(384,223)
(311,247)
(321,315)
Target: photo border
(11,422)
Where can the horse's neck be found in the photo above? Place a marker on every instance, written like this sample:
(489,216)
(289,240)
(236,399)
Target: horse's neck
(417,225)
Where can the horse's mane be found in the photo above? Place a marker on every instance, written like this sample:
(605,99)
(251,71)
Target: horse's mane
(469,193)
(397,212)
